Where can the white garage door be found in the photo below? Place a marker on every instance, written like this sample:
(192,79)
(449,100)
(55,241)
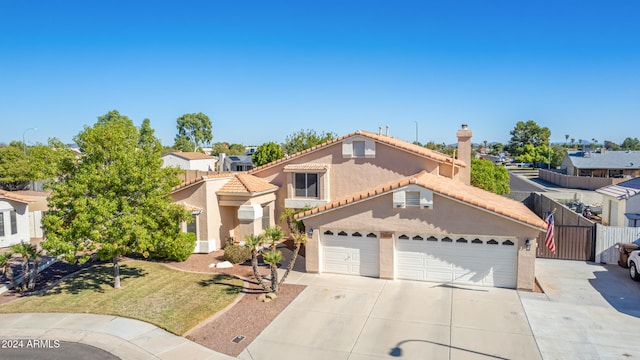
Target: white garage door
(350,252)
(457,259)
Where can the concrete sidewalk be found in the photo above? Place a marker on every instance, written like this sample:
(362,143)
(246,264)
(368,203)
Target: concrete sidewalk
(124,338)
(588,311)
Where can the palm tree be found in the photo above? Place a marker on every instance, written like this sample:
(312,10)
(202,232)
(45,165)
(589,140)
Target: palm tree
(273,234)
(30,259)
(273,258)
(573,141)
(566,138)
(6,268)
(298,240)
(252,242)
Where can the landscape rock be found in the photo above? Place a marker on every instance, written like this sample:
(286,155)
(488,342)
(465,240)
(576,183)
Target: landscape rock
(224,265)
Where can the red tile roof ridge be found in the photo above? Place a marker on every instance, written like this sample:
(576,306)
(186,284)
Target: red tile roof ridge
(438,156)
(17,197)
(203,178)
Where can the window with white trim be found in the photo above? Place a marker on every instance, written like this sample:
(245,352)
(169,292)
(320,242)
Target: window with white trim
(412,198)
(192,227)
(1,224)
(14,222)
(306,185)
(358,148)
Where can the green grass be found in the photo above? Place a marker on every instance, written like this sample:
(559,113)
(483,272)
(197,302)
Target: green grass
(173,300)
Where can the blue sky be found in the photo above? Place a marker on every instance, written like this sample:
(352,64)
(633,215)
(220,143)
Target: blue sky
(264,69)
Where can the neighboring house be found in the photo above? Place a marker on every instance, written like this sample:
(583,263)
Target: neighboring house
(602,163)
(37,209)
(242,162)
(385,208)
(621,203)
(14,218)
(190,161)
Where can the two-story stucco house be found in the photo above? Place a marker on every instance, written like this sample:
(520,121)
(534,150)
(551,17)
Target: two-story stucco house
(381,207)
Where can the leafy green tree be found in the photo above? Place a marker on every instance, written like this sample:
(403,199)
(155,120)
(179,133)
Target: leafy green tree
(193,130)
(630,144)
(224,147)
(45,159)
(266,153)
(442,148)
(610,145)
(113,200)
(15,171)
(305,139)
(527,133)
(486,175)
(557,155)
(534,154)
(496,148)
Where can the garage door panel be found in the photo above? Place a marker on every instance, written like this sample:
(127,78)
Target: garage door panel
(354,255)
(457,262)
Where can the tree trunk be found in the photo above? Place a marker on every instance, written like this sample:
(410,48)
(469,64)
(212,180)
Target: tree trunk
(26,275)
(296,249)
(34,274)
(9,274)
(256,273)
(116,273)
(274,278)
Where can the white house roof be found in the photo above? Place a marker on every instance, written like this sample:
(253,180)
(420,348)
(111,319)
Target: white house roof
(625,189)
(605,160)
(192,156)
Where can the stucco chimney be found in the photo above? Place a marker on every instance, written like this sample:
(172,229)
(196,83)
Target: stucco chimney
(464,153)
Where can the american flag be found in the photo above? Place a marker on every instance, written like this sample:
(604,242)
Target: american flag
(549,240)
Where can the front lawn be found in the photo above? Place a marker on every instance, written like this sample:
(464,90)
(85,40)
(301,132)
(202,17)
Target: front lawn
(173,300)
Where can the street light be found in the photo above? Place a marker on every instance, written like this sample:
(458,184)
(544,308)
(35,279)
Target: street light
(24,144)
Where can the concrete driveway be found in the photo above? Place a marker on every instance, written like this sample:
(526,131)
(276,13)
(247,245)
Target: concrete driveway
(588,311)
(349,317)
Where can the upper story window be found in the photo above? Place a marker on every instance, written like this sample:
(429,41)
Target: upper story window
(359,147)
(1,224)
(306,185)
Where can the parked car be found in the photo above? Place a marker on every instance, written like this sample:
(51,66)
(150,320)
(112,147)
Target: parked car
(634,265)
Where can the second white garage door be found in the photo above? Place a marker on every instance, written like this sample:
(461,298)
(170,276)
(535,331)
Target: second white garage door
(350,252)
(457,259)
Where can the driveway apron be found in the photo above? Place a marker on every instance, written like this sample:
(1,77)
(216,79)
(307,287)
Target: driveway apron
(350,317)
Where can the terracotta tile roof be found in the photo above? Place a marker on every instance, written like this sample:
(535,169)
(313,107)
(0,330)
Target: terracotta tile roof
(203,178)
(16,197)
(449,188)
(306,166)
(192,155)
(401,144)
(246,184)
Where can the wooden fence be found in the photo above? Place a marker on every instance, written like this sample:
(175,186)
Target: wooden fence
(608,236)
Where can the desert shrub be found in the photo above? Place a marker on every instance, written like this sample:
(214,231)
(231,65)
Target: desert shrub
(177,250)
(236,254)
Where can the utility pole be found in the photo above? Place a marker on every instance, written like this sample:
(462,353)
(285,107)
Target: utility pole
(416,130)
(24,144)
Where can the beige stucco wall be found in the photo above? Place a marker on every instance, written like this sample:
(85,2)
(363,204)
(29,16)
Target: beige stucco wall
(210,225)
(447,217)
(352,175)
